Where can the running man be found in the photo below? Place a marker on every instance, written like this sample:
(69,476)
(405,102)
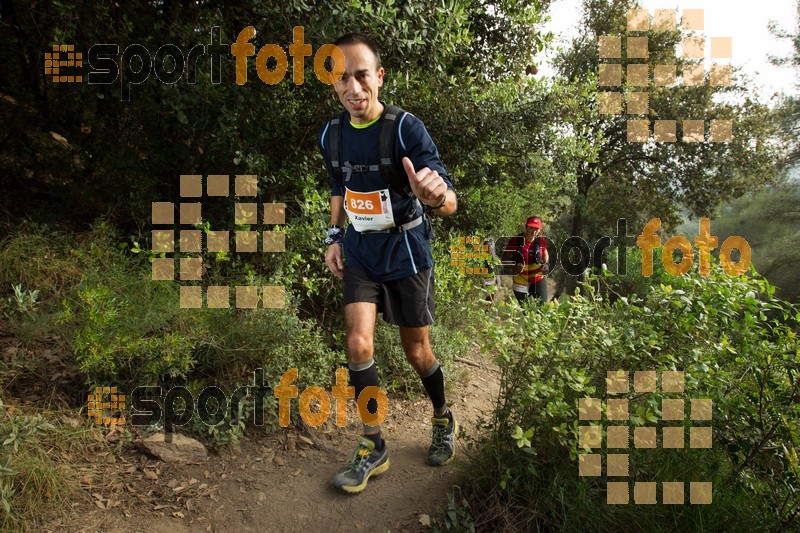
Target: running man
(385,174)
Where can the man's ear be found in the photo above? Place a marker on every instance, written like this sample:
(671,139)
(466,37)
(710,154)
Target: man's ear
(381,73)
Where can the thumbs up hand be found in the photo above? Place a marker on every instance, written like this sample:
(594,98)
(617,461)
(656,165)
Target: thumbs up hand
(426,184)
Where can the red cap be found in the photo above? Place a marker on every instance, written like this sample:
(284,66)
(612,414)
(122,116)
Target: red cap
(534,222)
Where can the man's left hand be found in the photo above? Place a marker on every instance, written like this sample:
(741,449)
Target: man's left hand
(426,184)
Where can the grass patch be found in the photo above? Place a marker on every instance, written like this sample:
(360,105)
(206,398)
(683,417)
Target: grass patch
(38,478)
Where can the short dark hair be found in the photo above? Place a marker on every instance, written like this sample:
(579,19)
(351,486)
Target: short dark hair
(360,38)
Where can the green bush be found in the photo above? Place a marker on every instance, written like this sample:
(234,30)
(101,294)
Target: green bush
(630,281)
(736,344)
(124,329)
(197,348)
(122,338)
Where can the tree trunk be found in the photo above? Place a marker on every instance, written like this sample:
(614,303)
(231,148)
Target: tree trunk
(578,217)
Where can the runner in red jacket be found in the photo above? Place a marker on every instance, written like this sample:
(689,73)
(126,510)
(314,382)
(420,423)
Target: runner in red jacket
(528,251)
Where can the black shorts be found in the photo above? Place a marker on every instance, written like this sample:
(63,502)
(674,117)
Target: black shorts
(407,302)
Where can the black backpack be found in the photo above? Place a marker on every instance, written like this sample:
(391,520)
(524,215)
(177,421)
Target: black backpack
(391,171)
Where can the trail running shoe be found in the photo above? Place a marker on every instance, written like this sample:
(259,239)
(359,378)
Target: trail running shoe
(443,447)
(366,461)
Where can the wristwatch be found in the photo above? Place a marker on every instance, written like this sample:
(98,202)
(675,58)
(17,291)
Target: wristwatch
(334,235)
(441,205)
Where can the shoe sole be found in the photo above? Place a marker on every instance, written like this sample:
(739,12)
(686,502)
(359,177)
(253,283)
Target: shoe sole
(450,459)
(358,488)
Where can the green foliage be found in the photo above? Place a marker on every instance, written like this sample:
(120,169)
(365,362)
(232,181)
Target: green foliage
(23,301)
(457,295)
(738,347)
(273,340)
(629,281)
(109,344)
(34,259)
(20,310)
(303,264)
(206,127)
(127,330)
(456,517)
(506,37)
(18,433)
(788,112)
(231,423)
(494,142)
(769,221)
(501,208)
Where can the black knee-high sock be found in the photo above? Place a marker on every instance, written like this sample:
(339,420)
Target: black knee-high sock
(363,375)
(433,380)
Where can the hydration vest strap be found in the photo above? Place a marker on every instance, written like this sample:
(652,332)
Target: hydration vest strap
(390,173)
(335,146)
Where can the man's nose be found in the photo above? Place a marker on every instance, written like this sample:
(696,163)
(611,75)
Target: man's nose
(353,85)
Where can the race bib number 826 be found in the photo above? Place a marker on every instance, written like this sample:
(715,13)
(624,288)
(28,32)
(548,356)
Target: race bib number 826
(369,210)
(364,203)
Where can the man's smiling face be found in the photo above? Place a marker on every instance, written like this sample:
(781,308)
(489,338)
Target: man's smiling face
(358,87)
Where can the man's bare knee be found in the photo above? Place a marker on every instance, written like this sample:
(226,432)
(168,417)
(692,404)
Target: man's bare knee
(360,318)
(359,348)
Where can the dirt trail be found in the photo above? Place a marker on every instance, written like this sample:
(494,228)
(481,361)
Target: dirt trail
(278,483)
